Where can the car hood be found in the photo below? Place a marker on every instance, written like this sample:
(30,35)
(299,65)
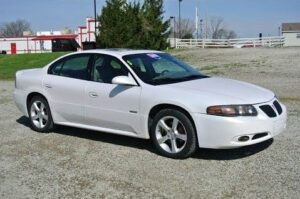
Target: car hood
(226,90)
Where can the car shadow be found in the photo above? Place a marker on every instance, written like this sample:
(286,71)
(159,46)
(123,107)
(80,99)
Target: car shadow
(97,136)
(232,154)
(204,154)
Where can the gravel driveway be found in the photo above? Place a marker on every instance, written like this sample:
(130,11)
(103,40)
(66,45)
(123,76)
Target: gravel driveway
(76,163)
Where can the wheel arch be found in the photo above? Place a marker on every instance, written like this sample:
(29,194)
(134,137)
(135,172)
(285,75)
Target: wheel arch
(31,95)
(155,109)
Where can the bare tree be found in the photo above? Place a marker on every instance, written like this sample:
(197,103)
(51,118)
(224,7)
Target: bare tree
(216,26)
(231,35)
(216,29)
(67,30)
(225,34)
(187,28)
(14,29)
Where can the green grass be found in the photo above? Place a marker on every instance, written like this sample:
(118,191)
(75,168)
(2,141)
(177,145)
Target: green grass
(9,64)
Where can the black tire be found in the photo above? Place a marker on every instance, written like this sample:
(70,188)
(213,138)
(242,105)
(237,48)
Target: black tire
(47,125)
(191,140)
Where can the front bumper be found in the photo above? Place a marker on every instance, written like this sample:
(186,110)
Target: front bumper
(223,132)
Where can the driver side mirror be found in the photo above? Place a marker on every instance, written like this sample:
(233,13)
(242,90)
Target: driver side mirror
(124,80)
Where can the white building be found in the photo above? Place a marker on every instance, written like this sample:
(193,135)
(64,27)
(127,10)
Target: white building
(291,34)
(39,33)
(86,33)
(45,41)
(18,45)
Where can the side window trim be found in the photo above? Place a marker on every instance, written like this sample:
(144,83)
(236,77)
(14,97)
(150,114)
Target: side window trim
(54,64)
(62,65)
(90,66)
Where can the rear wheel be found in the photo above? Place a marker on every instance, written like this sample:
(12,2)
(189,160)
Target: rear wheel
(173,134)
(40,115)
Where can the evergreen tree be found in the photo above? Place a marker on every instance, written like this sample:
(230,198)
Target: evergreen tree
(112,24)
(131,25)
(155,30)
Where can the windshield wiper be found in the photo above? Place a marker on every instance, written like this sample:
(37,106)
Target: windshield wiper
(190,77)
(165,80)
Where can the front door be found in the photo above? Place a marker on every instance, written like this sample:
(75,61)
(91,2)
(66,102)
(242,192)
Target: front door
(111,106)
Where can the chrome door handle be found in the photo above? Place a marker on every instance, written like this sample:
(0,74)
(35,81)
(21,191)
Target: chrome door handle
(93,94)
(48,86)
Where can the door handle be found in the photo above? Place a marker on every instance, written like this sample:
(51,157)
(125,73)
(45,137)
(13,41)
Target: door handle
(93,94)
(48,86)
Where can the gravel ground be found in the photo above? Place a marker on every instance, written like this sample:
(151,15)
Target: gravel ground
(76,163)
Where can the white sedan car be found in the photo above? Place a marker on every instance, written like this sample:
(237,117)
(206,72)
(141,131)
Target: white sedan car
(149,95)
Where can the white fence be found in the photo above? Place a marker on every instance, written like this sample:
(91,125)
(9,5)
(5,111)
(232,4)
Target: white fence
(230,43)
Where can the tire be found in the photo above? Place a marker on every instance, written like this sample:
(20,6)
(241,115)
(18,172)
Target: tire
(40,115)
(173,134)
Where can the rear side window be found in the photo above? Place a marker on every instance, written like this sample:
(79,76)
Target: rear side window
(73,67)
(56,68)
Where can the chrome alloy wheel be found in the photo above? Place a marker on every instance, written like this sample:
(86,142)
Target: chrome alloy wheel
(38,114)
(171,134)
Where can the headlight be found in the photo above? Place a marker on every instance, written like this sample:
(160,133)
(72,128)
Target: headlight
(232,110)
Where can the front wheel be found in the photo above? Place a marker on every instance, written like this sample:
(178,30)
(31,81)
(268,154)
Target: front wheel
(40,115)
(173,134)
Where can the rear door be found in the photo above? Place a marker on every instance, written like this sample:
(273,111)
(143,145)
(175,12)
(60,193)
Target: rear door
(65,87)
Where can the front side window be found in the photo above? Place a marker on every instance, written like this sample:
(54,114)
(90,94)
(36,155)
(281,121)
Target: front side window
(106,67)
(73,67)
(161,68)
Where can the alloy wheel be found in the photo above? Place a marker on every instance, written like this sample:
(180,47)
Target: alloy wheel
(38,114)
(171,134)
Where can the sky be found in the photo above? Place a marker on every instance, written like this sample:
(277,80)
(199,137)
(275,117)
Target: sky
(247,18)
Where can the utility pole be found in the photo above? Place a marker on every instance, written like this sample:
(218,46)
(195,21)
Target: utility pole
(174,31)
(197,26)
(179,22)
(95,15)
(206,26)
(201,28)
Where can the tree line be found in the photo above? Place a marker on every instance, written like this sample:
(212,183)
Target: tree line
(210,28)
(14,29)
(137,25)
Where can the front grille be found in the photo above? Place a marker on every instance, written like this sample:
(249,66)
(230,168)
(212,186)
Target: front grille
(277,106)
(259,135)
(267,109)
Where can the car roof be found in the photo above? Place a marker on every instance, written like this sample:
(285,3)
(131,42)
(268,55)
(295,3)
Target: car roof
(120,51)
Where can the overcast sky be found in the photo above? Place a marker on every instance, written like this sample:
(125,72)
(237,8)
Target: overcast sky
(246,17)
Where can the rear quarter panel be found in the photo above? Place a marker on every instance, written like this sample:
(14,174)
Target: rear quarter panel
(29,81)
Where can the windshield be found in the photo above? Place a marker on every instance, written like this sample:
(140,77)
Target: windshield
(161,68)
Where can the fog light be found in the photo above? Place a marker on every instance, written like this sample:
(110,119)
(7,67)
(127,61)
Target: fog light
(243,138)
